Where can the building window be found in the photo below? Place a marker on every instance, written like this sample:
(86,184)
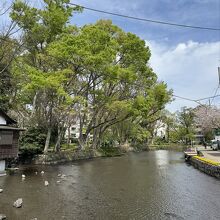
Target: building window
(6,137)
(73,135)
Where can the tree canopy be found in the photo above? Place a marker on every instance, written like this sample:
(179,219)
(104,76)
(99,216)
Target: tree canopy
(97,74)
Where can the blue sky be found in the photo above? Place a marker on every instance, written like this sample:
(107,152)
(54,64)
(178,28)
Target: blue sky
(186,59)
(192,12)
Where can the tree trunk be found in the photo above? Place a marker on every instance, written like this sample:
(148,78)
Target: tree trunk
(82,141)
(34,104)
(59,137)
(47,143)
(68,137)
(96,138)
(168,134)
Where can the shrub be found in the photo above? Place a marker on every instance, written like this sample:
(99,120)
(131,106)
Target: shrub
(32,141)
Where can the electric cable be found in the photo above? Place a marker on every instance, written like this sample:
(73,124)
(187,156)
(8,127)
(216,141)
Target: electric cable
(146,20)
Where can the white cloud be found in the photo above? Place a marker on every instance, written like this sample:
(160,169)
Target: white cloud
(189,68)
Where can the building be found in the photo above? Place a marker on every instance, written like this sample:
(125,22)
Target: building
(72,132)
(198,136)
(160,129)
(9,135)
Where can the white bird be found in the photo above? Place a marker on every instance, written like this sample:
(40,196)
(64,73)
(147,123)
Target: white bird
(23,176)
(42,172)
(46,183)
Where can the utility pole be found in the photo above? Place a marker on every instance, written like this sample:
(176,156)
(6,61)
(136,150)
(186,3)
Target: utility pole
(218,76)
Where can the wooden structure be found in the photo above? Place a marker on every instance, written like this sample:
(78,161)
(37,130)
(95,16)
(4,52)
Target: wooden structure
(9,135)
(189,153)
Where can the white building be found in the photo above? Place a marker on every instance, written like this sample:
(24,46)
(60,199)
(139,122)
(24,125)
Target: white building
(160,129)
(73,131)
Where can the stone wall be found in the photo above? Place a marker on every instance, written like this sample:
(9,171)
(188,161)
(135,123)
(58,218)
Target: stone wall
(209,169)
(64,156)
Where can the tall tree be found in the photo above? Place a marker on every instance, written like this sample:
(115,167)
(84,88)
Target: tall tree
(40,82)
(111,77)
(9,49)
(186,121)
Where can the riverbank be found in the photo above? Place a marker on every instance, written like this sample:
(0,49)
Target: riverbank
(205,165)
(171,146)
(205,160)
(66,156)
(52,158)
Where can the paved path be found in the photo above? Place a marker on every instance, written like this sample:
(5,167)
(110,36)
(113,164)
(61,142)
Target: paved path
(210,154)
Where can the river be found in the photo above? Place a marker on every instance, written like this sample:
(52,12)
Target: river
(147,185)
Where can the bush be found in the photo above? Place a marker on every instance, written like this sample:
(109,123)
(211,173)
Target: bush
(72,146)
(159,140)
(110,151)
(32,141)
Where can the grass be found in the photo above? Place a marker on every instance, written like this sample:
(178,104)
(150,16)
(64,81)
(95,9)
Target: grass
(65,147)
(167,146)
(110,151)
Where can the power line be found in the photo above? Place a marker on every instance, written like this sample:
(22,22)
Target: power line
(6,10)
(180,97)
(195,100)
(210,102)
(146,20)
(208,97)
(191,100)
(214,95)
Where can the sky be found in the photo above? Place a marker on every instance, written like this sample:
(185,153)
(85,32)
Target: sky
(186,59)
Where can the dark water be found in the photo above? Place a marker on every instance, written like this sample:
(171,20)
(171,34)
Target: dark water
(148,185)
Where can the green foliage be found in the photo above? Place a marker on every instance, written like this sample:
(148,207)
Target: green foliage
(160,141)
(97,71)
(5,88)
(109,151)
(8,48)
(111,66)
(208,135)
(184,128)
(72,146)
(33,140)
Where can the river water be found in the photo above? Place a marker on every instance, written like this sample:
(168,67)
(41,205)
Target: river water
(148,185)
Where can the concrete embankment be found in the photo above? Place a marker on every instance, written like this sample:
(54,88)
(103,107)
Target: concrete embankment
(64,156)
(207,166)
(71,155)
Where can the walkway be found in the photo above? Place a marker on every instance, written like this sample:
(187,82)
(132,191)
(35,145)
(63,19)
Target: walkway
(210,154)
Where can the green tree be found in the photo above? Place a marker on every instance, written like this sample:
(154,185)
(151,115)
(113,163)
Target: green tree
(9,49)
(40,85)
(186,125)
(111,76)
(98,71)
(169,119)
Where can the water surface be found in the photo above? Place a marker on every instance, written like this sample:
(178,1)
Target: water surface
(148,185)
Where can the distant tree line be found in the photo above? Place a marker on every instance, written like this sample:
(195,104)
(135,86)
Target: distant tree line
(192,124)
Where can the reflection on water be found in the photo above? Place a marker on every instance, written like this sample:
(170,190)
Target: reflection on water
(162,158)
(148,185)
